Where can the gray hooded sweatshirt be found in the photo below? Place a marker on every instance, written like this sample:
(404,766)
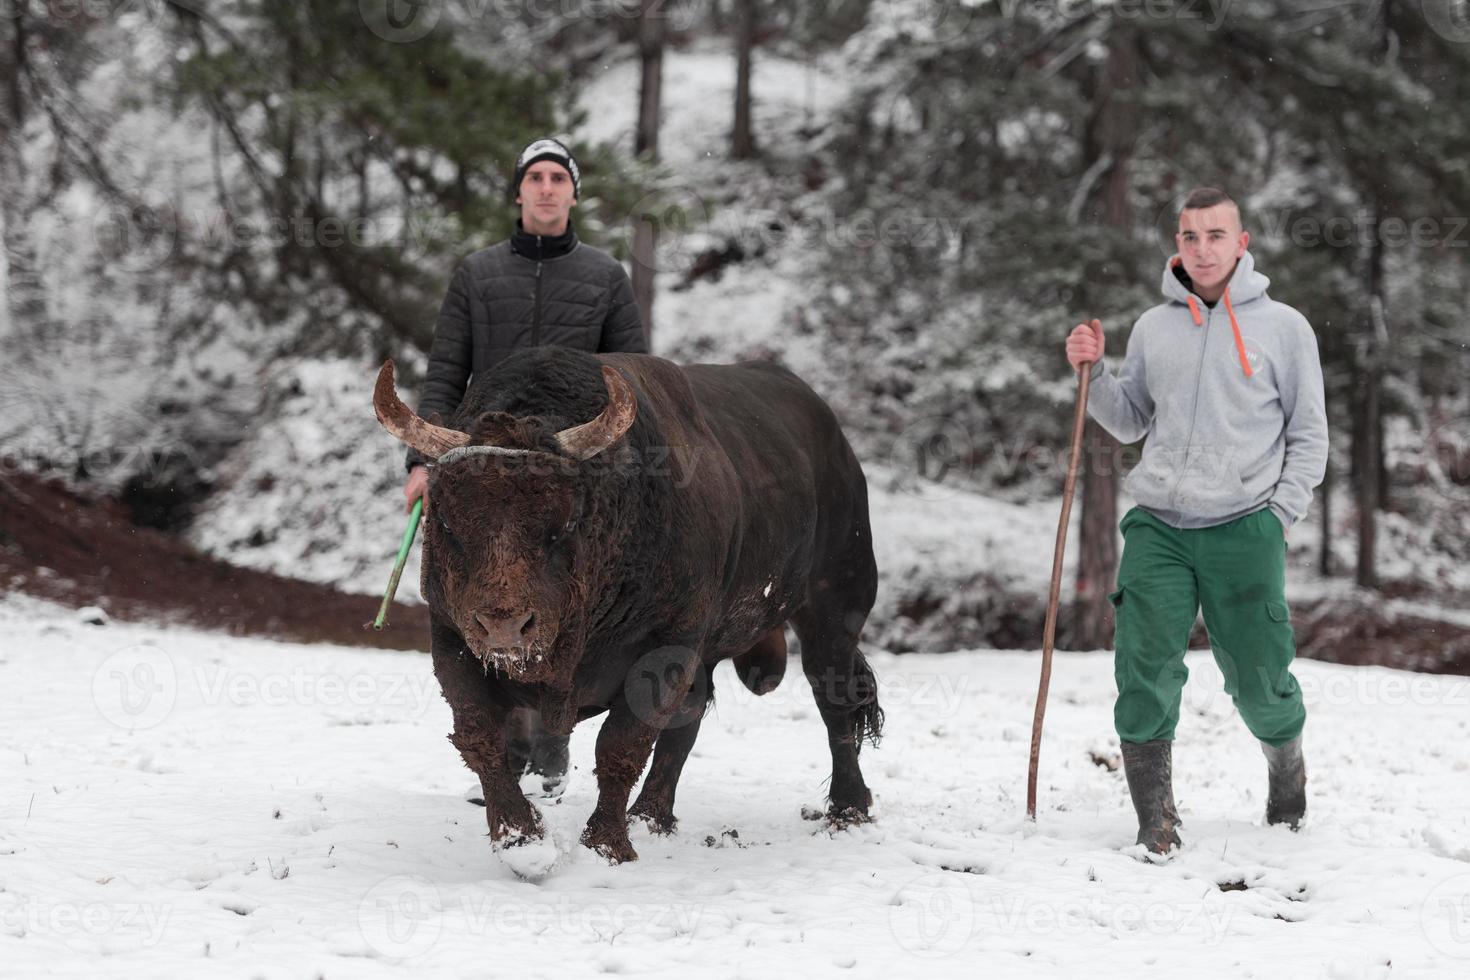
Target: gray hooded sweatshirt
(1230,400)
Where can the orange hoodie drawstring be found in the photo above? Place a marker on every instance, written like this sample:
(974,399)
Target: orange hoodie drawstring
(1245,364)
(1194,308)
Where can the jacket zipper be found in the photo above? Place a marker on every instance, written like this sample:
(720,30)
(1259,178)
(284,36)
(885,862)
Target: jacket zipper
(536,305)
(1194,412)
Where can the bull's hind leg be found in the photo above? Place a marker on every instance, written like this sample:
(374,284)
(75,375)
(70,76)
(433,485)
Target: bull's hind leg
(829,625)
(480,735)
(655,803)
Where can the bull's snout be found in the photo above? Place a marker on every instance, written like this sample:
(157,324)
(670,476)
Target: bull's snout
(507,632)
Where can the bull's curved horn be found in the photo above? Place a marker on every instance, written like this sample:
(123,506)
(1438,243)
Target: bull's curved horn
(590,438)
(431,441)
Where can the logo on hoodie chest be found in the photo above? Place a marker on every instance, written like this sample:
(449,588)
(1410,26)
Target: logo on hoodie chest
(1255,355)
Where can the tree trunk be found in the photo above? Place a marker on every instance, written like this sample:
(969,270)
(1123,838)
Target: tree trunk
(651,37)
(12,62)
(25,295)
(1113,132)
(1325,564)
(1384,503)
(645,249)
(742,141)
(1367,421)
(1372,346)
(1367,446)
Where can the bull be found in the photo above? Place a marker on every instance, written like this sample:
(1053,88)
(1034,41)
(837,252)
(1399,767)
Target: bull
(602,530)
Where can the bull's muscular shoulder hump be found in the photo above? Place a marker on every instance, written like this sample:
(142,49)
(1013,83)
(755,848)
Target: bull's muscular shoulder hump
(764,403)
(726,401)
(754,378)
(665,386)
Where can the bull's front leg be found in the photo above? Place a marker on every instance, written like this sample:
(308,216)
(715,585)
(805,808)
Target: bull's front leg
(653,692)
(480,722)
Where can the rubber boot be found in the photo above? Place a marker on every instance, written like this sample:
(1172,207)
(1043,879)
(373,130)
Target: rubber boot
(1286,800)
(1150,771)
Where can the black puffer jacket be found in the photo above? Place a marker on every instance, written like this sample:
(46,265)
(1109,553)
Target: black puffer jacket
(525,292)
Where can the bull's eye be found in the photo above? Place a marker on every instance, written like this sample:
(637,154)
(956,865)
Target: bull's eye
(556,535)
(449,536)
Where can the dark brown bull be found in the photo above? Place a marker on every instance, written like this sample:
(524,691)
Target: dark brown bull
(603,530)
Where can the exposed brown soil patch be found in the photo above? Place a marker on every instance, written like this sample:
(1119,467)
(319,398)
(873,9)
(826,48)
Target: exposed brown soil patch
(59,545)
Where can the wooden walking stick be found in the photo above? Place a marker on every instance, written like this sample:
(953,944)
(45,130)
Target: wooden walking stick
(1049,631)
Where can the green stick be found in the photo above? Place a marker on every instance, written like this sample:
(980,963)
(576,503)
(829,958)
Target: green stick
(408,533)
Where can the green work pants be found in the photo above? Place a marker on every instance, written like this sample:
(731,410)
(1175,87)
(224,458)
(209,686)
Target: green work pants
(1237,572)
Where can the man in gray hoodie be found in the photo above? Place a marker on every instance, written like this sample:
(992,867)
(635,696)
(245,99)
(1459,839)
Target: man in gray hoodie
(1224,386)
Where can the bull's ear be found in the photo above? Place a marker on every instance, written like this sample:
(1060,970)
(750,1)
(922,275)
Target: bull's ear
(431,441)
(590,438)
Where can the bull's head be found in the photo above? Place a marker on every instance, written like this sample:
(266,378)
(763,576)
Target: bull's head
(505,560)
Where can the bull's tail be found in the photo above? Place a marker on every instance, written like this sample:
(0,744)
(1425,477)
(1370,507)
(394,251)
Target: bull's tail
(763,665)
(867,715)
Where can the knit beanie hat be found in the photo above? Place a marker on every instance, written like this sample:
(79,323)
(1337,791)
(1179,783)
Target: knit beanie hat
(546,149)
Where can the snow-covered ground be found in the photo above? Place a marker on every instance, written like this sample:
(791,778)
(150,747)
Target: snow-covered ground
(185,804)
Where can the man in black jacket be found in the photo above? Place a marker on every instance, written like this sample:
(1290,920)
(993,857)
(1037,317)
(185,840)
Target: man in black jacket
(543,286)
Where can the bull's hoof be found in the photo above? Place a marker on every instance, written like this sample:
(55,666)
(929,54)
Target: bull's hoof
(1160,839)
(507,831)
(612,849)
(655,812)
(660,822)
(530,858)
(843,817)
